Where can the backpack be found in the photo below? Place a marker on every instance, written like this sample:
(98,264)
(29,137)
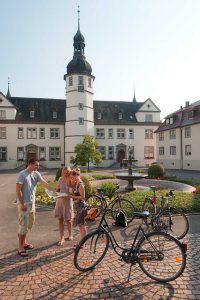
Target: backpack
(121,219)
(91,214)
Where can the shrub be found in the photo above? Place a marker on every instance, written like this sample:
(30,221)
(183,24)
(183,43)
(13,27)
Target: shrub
(156,171)
(101,177)
(88,187)
(58,174)
(110,188)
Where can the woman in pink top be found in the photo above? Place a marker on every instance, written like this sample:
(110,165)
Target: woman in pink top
(64,206)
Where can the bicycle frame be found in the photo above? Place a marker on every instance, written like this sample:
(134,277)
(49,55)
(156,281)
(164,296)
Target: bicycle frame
(104,227)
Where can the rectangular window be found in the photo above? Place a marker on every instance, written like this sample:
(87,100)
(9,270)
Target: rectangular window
(32,114)
(111,152)
(3,154)
(167,121)
(120,133)
(81,121)
(161,136)
(120,116)
(100,133)
(187,132)
(110,133)
(148,133)
(89,82)
(70,81)
(55,114)
(42,153)
(161,151)
(2,132)
(99,115)
(148,118)
(31,133)
(2,114)
(171,120)
(20,133)
(20,153)
(54,153)
(131,134)
(80,88)
(172,150)
(80,80)
(42,133)
(54,133)
(172,134)
(191,114)
(80,106)
(188,150)
(148,152)
(102,150)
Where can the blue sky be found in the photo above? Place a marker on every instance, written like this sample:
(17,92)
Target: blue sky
(150,45)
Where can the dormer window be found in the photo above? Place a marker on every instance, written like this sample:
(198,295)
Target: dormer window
(171,120)
(120,116)
(55,114)
(167,121)
(32,114)
(99,115)
(80,106)
(190,114)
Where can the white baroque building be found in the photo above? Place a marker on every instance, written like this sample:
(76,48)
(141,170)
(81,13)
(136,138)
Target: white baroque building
(49,129)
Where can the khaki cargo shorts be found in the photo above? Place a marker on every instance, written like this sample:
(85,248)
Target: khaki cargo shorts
(26,219)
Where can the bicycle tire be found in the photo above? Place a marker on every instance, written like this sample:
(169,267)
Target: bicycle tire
(95,202)
(124,205)
(91,250)
(174,221)
(166,264)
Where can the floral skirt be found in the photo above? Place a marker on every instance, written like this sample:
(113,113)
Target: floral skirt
(80,213)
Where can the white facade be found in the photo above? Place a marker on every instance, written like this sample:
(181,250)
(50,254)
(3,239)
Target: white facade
(178,140)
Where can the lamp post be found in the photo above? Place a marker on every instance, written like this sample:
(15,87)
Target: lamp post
(130,171)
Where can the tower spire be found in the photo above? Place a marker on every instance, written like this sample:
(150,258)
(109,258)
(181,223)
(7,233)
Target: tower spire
(134,99)
(8,95)
(78,11)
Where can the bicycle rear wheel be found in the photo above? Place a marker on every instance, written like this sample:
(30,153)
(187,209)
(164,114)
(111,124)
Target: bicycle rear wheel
(174,222)
(95,202)
(91,250)
(161,256)
(123,205)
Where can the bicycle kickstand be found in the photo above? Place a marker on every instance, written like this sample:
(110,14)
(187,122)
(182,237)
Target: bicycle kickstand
(130,271)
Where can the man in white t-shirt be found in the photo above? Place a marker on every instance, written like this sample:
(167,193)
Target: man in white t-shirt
(26,188)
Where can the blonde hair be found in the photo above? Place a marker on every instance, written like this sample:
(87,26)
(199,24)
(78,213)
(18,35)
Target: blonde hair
(76,171)
(68,169)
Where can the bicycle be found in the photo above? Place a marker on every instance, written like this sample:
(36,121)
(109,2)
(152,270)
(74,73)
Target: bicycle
(117,204)
(165,216)
(160,255)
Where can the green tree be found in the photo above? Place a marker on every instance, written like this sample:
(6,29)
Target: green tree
(87,152)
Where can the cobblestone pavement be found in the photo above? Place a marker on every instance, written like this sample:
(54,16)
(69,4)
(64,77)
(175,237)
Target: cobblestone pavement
(49,273)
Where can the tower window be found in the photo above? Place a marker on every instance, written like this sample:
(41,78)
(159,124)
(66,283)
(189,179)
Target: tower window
(80,106)
(89,82)
(81,121)
(70,81)
(80,80)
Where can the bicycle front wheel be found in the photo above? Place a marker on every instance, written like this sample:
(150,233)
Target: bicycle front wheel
(174,221)
(95,202)
(123,205)
(161,256)
(91,250)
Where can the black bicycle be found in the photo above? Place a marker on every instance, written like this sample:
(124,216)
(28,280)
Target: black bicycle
(160,256)
(117,204)
(165,216)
